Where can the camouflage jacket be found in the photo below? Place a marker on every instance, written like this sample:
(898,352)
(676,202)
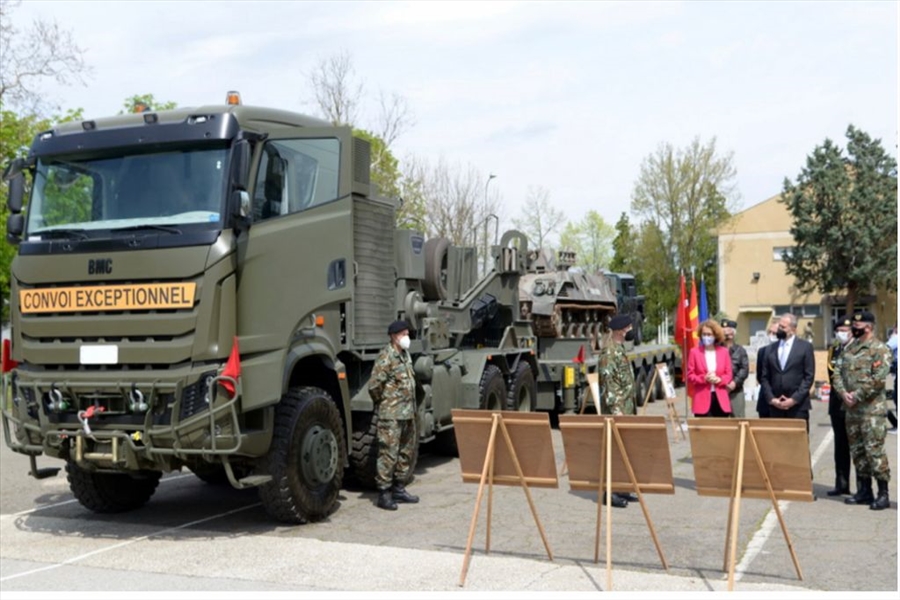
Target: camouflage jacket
(393,385)
(616,381)
(862,368)
(740,367)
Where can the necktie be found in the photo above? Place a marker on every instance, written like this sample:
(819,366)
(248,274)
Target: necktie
(782,354)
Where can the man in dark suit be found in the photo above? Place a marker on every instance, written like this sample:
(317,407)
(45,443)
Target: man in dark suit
(787,373)
(762,403)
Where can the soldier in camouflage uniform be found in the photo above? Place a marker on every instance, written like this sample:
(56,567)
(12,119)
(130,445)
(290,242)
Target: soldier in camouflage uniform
(859,376)
(740,369)
(393,390)
(617,382)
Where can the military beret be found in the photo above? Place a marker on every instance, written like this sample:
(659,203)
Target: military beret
(397,327)
(619,322)
(842,323)
(864,317)
(728,323)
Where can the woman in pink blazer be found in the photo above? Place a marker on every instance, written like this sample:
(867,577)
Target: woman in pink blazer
(709,371)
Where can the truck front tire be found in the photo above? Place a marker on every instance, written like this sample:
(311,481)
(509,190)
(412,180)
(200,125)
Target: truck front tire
(306,459)
(111,492)
(522,390)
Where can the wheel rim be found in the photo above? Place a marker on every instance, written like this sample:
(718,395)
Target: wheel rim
(318,455)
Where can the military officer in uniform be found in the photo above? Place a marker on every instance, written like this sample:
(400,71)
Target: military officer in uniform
(393,390)
(836,412)
(617,381)
(859,376)
(740,368)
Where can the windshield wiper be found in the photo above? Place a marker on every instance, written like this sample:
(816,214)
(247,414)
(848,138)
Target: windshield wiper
(166,228)
(59,233)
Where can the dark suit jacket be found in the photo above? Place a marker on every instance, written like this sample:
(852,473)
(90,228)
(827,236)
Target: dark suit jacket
(794,380)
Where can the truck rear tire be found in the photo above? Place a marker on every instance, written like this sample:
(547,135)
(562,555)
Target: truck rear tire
(434,286)
(306,458)
(641,384)
(364,449)
(492,389)
(522,391)
(111,492)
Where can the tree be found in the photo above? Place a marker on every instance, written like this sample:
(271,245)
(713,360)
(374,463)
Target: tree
(623,246)
(540,219)
(844,219)
(148,101)
(685,194)
(335,92)
(30,57)
(591,240)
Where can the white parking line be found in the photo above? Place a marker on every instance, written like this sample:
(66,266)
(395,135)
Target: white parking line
(54,505)
(127,543)
(762,534)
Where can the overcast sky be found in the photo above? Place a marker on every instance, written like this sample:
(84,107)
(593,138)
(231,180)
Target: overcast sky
(568,96)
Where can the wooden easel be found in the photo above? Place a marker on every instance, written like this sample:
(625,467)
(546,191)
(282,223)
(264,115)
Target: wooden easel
(583,450)
(489,477)
(793,485)
(671,410)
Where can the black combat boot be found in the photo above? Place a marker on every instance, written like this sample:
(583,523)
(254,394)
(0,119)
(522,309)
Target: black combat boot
(616,501)
(841,485)
(401,495)
(883,501)
(385,501)
(630,496)
(863,493)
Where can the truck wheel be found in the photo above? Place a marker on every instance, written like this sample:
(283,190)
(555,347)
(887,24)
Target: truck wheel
(111,492)
(364,449)
(306,458)
(640,386)
(522,391)
(434,286)
(492,390)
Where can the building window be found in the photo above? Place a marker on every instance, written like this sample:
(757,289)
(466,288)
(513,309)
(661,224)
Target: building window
(812,310)
(779,252)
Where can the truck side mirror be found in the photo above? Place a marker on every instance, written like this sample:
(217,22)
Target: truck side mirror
(15,225)
(240,165)
(16,193)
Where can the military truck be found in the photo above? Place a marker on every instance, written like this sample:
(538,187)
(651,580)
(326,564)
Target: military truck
(569,308)
(209,288)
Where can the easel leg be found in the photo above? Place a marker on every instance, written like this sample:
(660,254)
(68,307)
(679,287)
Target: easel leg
(765,476)
(640,495)
(515,459)
(736,511)
(643,410)
(490,504)
(488,467)
(601,485)
(734,488)
(608,504)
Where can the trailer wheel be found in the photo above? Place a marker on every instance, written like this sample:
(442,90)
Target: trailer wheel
(522,390)
(492,389)
(111,492)
(306,458)
(434,286)
(641,384)
(364,449)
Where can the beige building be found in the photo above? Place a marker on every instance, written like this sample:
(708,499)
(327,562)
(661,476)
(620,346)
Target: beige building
(754,287)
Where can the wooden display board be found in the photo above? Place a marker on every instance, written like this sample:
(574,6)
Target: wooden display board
(755,458)
(524,456)
(671,410)
(618,454)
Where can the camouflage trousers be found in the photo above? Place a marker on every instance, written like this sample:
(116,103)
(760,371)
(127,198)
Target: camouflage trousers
(396,445)
(866,433)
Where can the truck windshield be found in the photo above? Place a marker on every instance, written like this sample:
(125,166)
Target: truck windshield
(171,188)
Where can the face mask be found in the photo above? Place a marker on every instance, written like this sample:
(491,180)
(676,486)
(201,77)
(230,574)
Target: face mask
(708,340)
(773,338)
(404,342)
(781,335)
(842,336)
(629,337)
(858,332)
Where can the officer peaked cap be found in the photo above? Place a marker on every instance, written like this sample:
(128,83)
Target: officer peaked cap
(864,317)
(729,323)
(842,323)
(619,322)
(397,327)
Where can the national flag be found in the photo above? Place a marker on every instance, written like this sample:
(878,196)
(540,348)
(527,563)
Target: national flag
(693,320)
(232,369)
(704,304)
(681,314)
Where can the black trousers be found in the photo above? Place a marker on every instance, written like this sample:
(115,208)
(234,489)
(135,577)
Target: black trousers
(841,446)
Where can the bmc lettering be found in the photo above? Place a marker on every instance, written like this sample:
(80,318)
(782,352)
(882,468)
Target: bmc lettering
(100,266)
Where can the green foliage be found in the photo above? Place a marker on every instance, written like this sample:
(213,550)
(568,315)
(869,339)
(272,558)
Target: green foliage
(685,194)
(389,181)
(130,104)
(590,239)
(844,219)
(623,247)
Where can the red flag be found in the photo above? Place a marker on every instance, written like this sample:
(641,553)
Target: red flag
(681,315)
(693,317)
(8,364)
(232,369)
(579,358)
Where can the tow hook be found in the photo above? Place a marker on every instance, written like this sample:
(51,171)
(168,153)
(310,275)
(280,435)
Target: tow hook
(84,415)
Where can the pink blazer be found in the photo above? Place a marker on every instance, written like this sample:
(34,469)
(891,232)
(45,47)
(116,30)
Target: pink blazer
(696,373)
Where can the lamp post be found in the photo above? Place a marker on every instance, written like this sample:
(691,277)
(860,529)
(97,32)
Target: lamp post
(486,246)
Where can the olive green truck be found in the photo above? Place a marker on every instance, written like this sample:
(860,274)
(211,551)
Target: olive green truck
(209,288)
